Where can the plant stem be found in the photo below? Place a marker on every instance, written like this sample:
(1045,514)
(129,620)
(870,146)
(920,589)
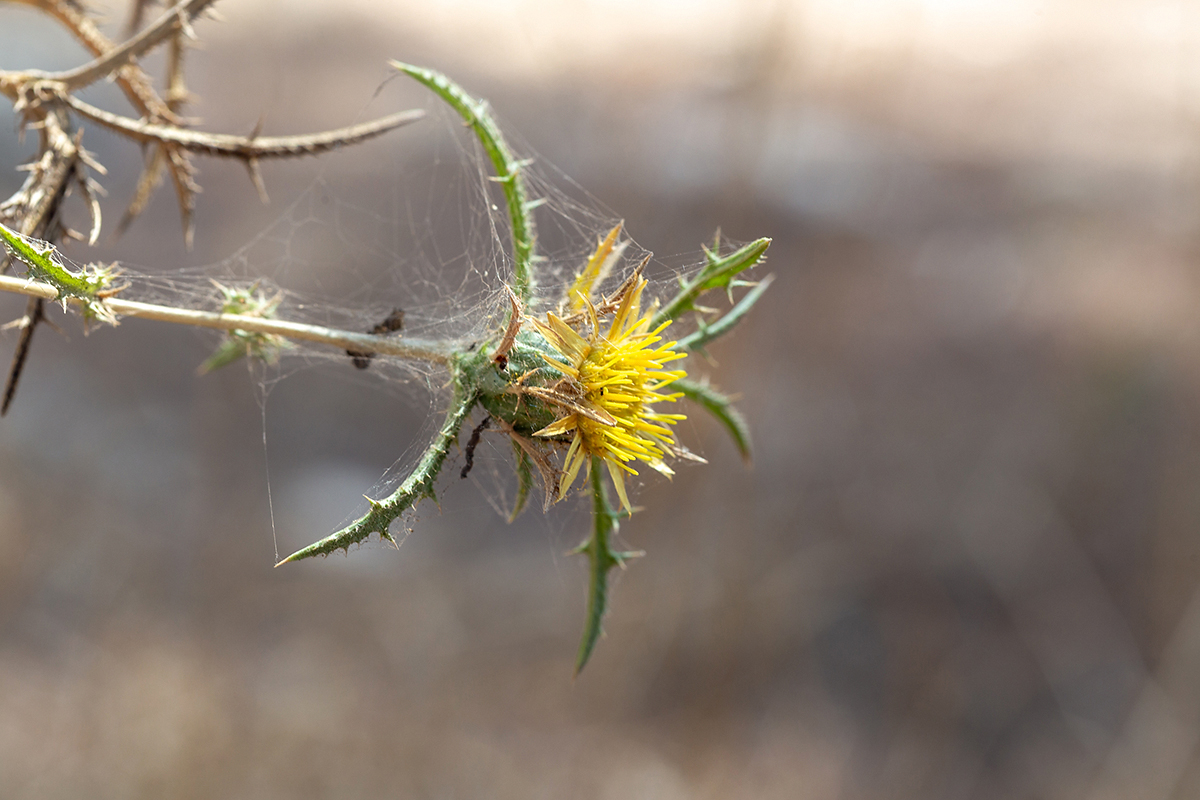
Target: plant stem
(601,559)
(438,352)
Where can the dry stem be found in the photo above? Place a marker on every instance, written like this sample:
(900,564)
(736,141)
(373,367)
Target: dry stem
(438,352)
(246,147)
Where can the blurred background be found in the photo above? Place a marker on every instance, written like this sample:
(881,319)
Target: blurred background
(964,563)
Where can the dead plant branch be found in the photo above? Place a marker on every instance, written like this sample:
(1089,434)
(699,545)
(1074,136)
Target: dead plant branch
(176,20)
(403,347)
(134,82)
(246,147)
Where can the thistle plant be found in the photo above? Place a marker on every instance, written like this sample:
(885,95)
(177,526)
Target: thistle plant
(588,385)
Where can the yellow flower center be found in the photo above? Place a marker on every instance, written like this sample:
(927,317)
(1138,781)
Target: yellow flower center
(611,383)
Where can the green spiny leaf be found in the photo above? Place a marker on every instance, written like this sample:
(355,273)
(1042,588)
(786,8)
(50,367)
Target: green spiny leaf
(46,265)
(227,352)
(717,273)
(416,487)
(601,560)
(508,170)
(524,482)
(711,331)
(721,407)
(238,343)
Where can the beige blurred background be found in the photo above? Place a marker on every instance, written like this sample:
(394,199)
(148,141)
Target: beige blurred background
(964,564)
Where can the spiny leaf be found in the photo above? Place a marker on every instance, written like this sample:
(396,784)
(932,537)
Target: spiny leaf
(601,559)
(524,481)
(721,407)
(240,343)
(717,273)
(416,487)
(508,170)
(46,265)
(708,332)
(227,352)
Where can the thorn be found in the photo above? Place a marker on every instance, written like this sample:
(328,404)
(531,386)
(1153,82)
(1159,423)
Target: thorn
(54,327)
(185,26)
(256,178)
(619,514)
(621,556)
(88,158)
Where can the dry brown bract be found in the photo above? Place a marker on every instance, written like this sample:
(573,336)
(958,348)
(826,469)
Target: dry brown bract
(46,102)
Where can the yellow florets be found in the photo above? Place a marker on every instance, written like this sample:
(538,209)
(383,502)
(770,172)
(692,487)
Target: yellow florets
(612,381)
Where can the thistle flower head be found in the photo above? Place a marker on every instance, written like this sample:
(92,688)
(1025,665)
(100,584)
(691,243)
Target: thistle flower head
(611,382)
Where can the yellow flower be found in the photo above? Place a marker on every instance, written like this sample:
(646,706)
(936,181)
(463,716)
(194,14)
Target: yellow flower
(611,382)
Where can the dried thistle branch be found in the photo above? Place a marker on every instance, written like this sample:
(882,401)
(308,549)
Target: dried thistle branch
(134,82)
(436,352)
(137,14)
(245,147)
(33,211)
(176,20)
(138,89)
(158,157)
(35,311)
(89,188)
(43,99)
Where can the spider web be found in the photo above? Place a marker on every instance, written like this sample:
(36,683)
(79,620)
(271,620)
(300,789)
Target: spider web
(421,227)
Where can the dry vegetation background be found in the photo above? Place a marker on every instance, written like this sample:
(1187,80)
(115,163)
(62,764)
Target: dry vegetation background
(965,563)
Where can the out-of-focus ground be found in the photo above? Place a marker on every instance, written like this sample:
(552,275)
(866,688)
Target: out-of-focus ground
(964,564)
